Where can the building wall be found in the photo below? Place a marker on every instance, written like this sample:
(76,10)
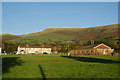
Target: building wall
(0,50)
(103,49)
(98,50)
(82,52)
(34,50)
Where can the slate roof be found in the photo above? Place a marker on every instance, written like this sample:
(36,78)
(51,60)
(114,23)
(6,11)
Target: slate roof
(92,46)
(35,47)
(85,47)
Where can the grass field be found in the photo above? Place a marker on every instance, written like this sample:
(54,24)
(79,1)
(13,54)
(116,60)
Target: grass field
(60,66)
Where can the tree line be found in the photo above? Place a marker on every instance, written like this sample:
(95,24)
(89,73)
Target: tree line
(63,47)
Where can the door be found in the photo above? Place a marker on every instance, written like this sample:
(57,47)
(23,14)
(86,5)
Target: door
(105,51)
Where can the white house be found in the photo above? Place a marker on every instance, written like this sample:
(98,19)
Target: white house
(33,49)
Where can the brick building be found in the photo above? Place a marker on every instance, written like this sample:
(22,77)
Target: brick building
(100,49)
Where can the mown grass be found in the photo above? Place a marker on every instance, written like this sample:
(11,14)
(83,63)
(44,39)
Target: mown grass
(60,66)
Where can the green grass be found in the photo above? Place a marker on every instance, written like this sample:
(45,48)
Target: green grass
(60,66)
(43,38)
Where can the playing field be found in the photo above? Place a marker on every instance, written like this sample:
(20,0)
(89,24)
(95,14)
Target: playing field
(60,66)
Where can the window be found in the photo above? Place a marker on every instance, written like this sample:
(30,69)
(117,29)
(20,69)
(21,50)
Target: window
(80,51)
(76,52)
(90,51)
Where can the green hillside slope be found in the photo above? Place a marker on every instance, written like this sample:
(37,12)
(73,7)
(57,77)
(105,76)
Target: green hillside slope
(108,31)
(7,37)
(43,38)
(51,35)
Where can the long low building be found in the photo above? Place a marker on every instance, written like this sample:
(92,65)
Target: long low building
(33,50)
(100,49)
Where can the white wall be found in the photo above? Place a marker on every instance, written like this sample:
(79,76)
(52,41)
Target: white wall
(33,50)
(0,50)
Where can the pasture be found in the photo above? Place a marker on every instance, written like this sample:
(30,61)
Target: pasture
(59,66)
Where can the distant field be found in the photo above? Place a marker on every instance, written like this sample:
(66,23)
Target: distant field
(60,66)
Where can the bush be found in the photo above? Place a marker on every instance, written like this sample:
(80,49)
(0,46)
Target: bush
(113,53)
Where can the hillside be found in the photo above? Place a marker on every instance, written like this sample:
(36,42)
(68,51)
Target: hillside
(7,37)
(108,31)
(51,35)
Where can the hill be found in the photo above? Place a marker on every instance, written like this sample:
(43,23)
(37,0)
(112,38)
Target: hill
(109,31)
(51,35)
(7,37)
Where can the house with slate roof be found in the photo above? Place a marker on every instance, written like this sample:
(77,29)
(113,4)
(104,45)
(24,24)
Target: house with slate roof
(33,50)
